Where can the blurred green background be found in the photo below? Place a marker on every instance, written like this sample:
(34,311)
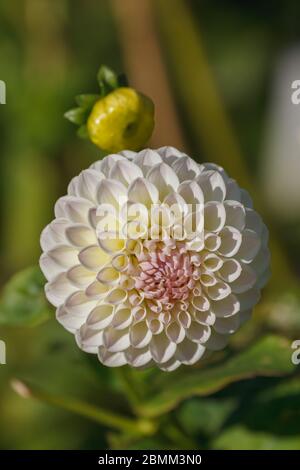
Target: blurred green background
(220,74)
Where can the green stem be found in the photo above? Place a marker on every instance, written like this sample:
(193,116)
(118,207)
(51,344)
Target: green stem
(129,385)
(104,417)
(177,437)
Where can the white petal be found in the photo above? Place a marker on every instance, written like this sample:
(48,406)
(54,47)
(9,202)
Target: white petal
(233,191)
(227,325)
(135,298)
(254,221)
(207,279)
(189,352)
(81,235)
(216,341)
(111,244)
(155,326)
(112,193)
(135,229)
(64,255)
(170,365)
(184,319)
(226,307)
(170,154)
(122,317)
(186,168)
(138,357)
(230,270)
(69,322)
(80,276)
(249,299)
(191,193)
(107,162)
(196,259)
(125,172)
(54,234)
(79,304)
(93,257)
(212,241)
(177,205)
(250,246)
(139,313)
(59,289)
(212,262)
(235,214)
(146,159)
(208,166)
(175,332)
(261,261)
(50,267)
(245,281)
(111,359)
(120,262)
(231,240)
(196,244)
(129,154)
(197,289)
(212,185)
(89,339)
(246,198)
(140,335)
(85,185)
(263,278)
(207,317)
(116,296)
(73,187)
(74,208)
(93,218)
(201,303)
(108,275)
(162,349)
(96,289)
(164,178)
(116,340)
(143,192)
(198,332)
(100,317)
(218,291)
(161,216)
(214,216)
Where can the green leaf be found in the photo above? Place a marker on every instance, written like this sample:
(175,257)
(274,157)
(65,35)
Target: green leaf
(240,438)
(82,132)
(107,79)
(274,408)
(23,301)
(86,101)
(205,415)
(76,115)
(270,356)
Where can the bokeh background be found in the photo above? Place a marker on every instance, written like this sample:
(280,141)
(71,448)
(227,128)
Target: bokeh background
(220,74)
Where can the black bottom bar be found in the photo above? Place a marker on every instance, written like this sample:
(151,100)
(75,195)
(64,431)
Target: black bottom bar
(134,459)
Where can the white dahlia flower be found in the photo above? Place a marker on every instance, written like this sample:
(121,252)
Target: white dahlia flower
(148,287)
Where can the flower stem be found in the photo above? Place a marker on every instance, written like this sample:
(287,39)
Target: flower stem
(129,385)
(177,437)
(104,417)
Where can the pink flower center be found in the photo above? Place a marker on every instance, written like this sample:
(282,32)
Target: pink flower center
(165,276)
